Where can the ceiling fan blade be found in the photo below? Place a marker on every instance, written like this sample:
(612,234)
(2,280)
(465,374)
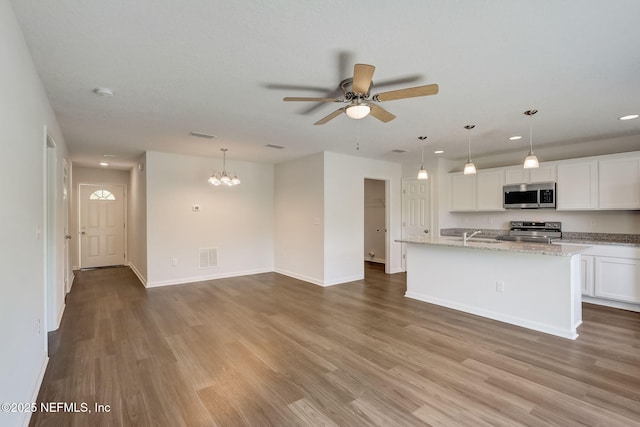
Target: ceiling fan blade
(399,81)
(362,76)
(330,117)
(298,98)
(411,92)
(381,114)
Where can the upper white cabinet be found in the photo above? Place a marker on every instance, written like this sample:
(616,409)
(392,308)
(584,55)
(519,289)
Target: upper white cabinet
(577,186)
(463,192)
(619,183)
(479,192)
(592,183)
(520,175)
(489,191)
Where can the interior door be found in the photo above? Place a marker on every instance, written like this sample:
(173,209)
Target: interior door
(416,211)
(101,225)
(65,220)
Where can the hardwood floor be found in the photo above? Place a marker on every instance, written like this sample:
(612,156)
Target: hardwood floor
(271,350)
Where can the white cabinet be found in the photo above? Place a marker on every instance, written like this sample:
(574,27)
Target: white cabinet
(586,274)
(520,175)
(463,192)
(619,183)
(577,186)
(617,279)
(479,192)
(611,272)
(489,191)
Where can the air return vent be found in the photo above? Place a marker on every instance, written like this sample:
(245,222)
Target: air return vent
(208,257)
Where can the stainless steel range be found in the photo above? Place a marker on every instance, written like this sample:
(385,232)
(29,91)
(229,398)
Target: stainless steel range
(531,231)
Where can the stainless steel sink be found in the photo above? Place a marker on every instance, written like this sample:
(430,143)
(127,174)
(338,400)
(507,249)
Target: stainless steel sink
(474,240)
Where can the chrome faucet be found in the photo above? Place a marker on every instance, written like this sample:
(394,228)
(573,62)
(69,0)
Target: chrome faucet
(466,238)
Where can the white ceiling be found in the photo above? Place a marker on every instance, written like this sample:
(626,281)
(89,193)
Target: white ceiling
(212,66)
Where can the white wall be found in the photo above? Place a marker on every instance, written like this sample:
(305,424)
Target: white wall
(344,214)
(137,220)
(374,220)
(24,113)
(299,218)
(238,221)
(98,176)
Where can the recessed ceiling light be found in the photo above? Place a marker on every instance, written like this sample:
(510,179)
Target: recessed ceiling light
(515,138)
(104,164)
(438,152)
(108,155)
(103,91)
(629,117)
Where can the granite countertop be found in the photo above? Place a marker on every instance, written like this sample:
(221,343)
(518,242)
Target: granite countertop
(614,239)
(499,245)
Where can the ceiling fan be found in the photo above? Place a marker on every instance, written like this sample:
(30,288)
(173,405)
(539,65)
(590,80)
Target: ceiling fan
(356,91)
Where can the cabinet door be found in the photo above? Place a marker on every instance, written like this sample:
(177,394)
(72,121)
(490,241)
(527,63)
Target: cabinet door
(619,184)
(586,274)
(516,175)
(463,192)
(576,186)
(489,190)
(617,279)
(543,174)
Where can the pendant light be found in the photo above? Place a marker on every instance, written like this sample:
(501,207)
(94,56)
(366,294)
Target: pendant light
(422,173)
(223,178)
(531,161)
(469,167)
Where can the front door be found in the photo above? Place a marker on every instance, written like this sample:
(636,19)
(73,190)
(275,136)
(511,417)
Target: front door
(101,225)
(416,211)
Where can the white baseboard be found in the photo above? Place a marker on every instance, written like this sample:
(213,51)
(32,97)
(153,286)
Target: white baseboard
(540,327)
(314,281)
(302,277)
(184,280)
(26,416)
(137,273)
(614,304)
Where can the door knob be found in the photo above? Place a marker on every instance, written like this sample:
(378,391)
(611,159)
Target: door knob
(426,230)
(82,232)
(67,236)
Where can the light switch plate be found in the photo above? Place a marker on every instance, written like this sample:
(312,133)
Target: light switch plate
(195,208)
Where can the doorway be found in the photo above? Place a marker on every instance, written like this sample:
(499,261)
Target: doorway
(375,223)
(102,225)
(416,211)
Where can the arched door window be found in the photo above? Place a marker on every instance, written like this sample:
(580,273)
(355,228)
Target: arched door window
(102,195)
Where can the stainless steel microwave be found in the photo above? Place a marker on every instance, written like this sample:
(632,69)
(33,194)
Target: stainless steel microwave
(530,196)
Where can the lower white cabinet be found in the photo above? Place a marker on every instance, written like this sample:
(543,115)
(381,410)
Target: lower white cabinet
(586,274)
(617,279)
(611,273)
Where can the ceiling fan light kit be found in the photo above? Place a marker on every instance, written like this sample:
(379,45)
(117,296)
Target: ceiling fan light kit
(356,93)
(358,111)
(223,178)
(531,161)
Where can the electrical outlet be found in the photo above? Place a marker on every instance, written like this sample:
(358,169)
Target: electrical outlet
(38,326)
(500,286)
(174,261)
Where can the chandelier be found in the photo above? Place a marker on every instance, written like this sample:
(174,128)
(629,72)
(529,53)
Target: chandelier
(223,178)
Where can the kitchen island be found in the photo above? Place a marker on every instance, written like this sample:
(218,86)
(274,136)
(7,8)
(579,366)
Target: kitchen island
(536,286)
